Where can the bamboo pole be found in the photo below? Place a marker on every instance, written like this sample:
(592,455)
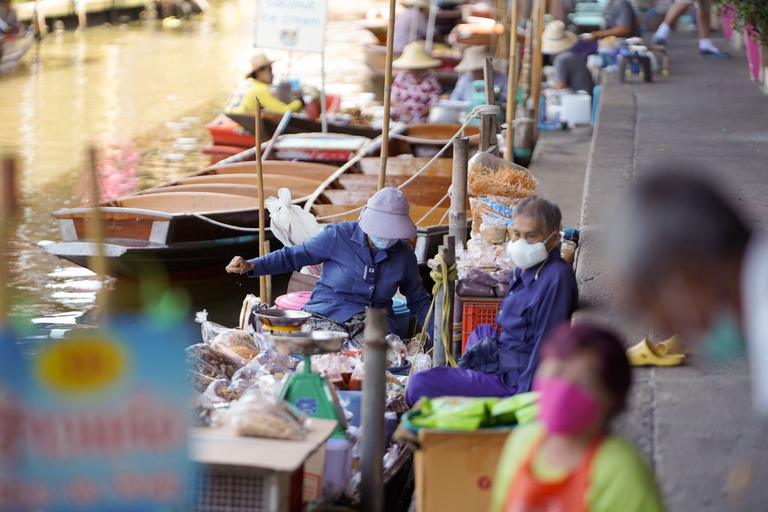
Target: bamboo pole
(262,213)
(537,63)
(387,94)
(372,483)
(457,218)
(96,233)
(8,210)
(512,81)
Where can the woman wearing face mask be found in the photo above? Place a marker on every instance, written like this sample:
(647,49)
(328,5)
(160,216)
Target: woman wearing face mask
(570,460)
(364,265)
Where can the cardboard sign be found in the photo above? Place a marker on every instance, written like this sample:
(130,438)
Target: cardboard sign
(296,25)
(96,421)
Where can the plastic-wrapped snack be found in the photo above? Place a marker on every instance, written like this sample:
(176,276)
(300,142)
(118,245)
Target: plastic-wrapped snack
(415,346)
(395,398)
(198,381)
(397,352)
(232,338)
(490,175)
(276,359)
(421,362)
(471,289)
(221,391)
(256,416)
(216,358)
(356,380)
(493,229)
(208,329)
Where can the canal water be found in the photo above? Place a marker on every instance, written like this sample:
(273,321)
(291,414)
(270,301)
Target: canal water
(141,93)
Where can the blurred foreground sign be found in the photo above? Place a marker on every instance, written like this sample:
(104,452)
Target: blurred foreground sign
(96,421)
(297,25)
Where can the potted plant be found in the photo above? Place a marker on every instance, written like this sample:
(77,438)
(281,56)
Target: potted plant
(751,16)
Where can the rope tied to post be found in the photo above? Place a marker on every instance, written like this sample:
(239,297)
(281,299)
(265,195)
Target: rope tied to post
(442,274)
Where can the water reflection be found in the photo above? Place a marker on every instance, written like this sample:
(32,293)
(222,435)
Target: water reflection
(140,93)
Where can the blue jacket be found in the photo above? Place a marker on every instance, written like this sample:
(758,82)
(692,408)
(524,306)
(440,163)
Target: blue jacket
(342,291)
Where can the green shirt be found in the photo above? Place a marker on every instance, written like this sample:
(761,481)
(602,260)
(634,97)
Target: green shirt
(620,479)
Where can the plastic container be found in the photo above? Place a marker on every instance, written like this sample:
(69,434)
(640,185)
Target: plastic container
(355,405)
(402,316)
(477,313)
(576,108)
(292,301)
(338,466)
(595,102)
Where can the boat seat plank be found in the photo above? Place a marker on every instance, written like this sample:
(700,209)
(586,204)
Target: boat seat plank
(299,186)
(277,168)
(297,193)
(415,195)
(180,202)
(417,212)
(408,166)
(359,180)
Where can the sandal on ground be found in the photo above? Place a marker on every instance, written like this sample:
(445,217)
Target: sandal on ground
(645,354)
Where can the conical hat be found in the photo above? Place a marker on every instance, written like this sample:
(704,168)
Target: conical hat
(473,58)
(415,56)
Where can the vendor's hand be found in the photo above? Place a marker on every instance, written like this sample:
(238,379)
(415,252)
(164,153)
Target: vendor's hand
(239,265)
(592,36)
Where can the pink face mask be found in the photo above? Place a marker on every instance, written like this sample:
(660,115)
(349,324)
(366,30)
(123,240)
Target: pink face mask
(566,408)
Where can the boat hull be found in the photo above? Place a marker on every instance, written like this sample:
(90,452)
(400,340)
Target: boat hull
(298,125)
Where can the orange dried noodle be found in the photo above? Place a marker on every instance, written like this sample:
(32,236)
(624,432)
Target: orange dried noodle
(506,182)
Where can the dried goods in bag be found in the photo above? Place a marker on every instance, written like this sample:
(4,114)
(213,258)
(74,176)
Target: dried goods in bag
(256,415)
(490,175)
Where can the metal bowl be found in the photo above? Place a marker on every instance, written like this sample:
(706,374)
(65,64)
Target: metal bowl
(282,317)
(313,342)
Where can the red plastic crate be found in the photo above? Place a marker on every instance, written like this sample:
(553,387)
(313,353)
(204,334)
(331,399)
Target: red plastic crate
(477,313)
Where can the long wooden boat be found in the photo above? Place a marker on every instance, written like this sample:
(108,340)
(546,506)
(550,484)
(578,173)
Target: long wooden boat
(299,123)
(185,227)
(13,48)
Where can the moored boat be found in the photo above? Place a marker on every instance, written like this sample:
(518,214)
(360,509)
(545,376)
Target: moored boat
(13,48)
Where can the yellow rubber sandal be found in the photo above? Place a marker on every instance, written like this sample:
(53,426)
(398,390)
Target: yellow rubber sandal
(645,354)
(673,345)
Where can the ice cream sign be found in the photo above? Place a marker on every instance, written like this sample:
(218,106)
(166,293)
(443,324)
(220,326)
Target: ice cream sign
(297,25)
(95,421)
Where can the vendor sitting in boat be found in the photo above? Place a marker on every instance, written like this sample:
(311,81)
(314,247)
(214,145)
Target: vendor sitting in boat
(364,265)
(9,23)
(543,295)
(257,86)
(472,65)
(415,87)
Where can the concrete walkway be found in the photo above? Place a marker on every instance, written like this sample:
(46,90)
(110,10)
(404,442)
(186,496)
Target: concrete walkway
(694,423)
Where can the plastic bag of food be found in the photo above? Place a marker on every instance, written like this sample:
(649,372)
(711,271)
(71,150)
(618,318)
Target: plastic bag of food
(397,353)
(395,398)
(199,381)
(472,289)
(493,229)
(208,329)
(222,362)
(490,175)
(356,380)
(257,416)
(222,391)
(421,363)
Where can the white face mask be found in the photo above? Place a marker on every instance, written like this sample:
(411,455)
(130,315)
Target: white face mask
(525,255)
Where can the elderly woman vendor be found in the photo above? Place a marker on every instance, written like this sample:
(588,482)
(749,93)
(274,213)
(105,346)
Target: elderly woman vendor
(364,264)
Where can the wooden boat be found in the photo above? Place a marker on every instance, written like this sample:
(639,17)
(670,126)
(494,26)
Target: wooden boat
(188,228)
(299,123)
(376,59)
(13,48)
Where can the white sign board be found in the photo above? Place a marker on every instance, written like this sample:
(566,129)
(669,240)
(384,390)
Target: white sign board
(296,25)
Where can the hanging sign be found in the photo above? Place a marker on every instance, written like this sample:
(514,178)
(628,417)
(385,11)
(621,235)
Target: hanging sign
(95,421)
(296,25)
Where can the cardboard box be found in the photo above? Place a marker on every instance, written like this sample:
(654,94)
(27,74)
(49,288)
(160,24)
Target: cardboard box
(455,470)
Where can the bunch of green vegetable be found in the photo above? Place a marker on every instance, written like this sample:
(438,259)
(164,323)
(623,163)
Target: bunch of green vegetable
(468,414)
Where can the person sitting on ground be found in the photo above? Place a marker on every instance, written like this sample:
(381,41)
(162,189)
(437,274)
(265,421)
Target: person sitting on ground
(543,295)
(571,70)
(472,67)
(415,87)
(257,86)
(703,8)
(9,22)
(570,460)
(709,286)
(364,265)
(414,17)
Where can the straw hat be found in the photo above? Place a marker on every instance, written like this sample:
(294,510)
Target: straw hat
(415,56)
(387,215)
(556,39)
(423,4)
(259,61)
(473,59)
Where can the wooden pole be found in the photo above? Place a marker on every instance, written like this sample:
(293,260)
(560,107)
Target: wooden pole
(268,288)
(488,121)
(372,482)
(457,218)
(537,62)
(387,95)
(262,209)
(490,97)
(8,210)
(96,233)
(512,82)
(448,252)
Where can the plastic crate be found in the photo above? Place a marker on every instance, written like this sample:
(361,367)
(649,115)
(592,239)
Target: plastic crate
(477,313)
(238,489)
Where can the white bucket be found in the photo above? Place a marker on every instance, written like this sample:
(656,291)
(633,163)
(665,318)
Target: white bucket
(576,108)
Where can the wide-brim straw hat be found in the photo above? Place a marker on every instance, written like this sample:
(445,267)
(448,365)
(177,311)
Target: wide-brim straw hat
(387,215)
(423,4)
(473,59)
(556,39)
(259,61)
(415,56)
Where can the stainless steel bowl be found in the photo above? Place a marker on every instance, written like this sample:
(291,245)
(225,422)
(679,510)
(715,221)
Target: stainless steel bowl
(313,342)
(282,317)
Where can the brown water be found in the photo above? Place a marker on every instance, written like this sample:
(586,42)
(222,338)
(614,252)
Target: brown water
(141,93)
